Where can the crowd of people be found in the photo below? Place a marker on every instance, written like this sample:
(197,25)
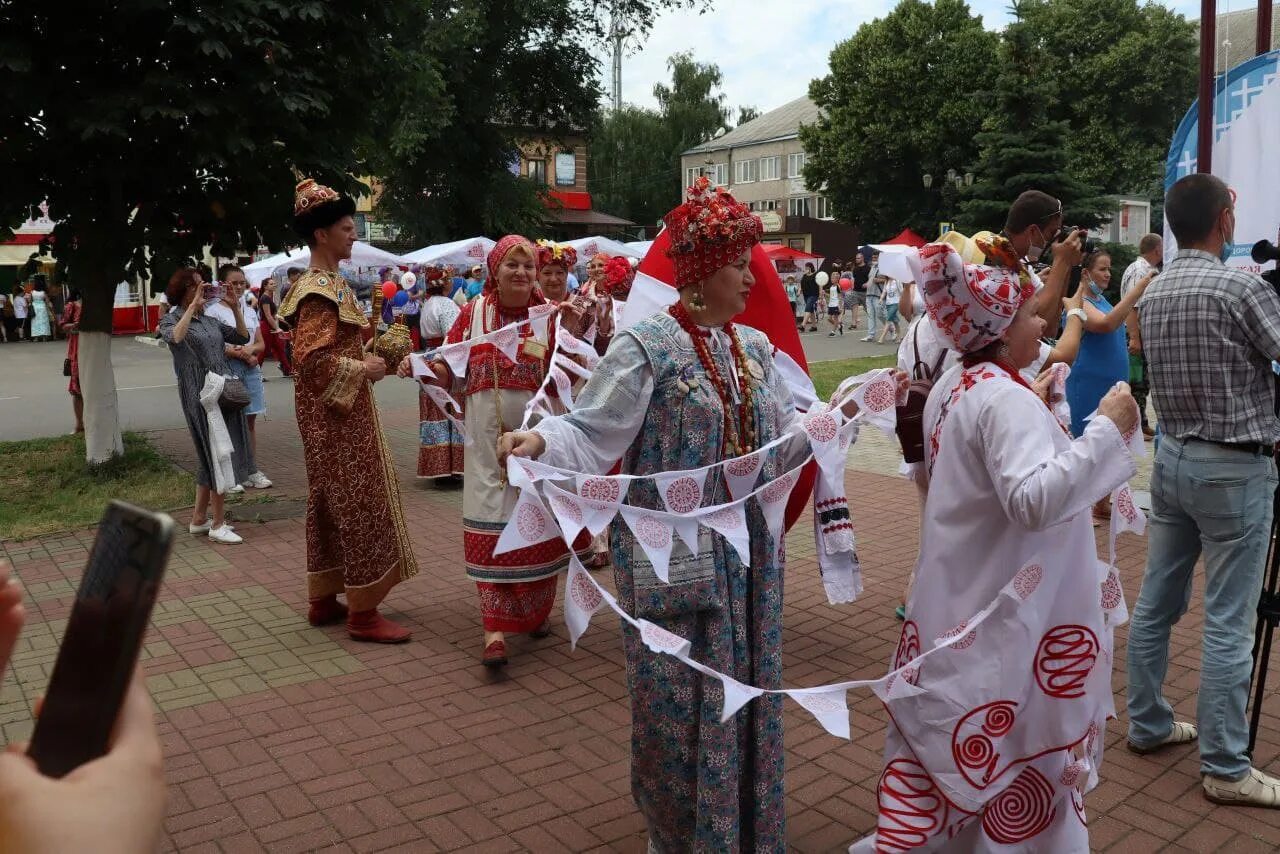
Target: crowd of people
(999,688)
(846,295)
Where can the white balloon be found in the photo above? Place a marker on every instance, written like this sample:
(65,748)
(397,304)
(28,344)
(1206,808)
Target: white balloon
(822,279)
(408,280)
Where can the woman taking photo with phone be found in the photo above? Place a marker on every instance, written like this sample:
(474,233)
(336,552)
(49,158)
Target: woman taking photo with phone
(220,435)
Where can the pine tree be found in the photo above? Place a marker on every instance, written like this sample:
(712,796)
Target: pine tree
(1022,147)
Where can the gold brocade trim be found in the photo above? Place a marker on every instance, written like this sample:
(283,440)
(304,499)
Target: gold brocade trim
(408,566)
(331,286)
(345,385)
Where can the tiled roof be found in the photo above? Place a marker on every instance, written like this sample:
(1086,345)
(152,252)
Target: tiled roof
(1241,29)
(776,124)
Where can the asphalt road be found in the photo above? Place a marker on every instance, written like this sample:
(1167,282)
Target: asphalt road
(34,400)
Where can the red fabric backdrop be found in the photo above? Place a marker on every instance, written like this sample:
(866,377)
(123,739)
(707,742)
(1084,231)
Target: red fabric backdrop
(767,310)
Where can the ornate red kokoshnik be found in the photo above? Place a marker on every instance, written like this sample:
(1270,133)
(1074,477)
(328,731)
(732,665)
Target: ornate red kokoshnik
(739,437)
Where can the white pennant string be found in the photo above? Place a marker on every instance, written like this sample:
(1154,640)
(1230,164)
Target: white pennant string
(577,347)
(529,525)
(740,474)
(681,492)
(564,387)
(736,695)
(445,402)
(877,399)
(540,317)
(730,522)
(568,510)
(830,706)
(582,598)
(660,640)
(655,536)
(773,501)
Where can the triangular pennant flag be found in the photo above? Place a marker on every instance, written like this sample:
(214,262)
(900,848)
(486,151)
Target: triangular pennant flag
(530,524)
(564,387)
(730,522)
(660,640)
(1111,597)
(539,317)
(449,407)
(773,502)
(577,347)
(822,426)
(741,473)
(582,598)
(686,528)
(506,339)
(878,401)
(456,357)
(601,497)
(736,695)
(655,536)
(681,491)
(829,705)
(1125,516)
(568,510)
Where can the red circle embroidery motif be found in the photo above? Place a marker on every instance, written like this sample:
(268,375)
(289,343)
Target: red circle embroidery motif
(567,507)
(1124,504)
(653,533)
(1112,593)
(908,644)
(727,518)
(661,638)
(1072,773)
(822,427)
(975,751)
(683,495)
(880,395)
(531,522)
(821,703)
(911,807)
(1023,810)
(584,593)
(964,642)
(601,489)
(503,338)
(1027,580)
(779,489)
(1063,661)
(743,466)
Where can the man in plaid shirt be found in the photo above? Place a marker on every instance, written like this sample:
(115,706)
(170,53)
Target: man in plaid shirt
(1209,334)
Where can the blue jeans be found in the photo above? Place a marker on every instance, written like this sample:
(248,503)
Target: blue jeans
(1215,500)
(873,316)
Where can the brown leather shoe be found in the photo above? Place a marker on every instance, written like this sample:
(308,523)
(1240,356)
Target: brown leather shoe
(541,631)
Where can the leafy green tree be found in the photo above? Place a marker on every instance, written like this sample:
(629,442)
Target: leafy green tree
(1125,73)
(900,102)
(633,169)
(1021,147)
(746,114)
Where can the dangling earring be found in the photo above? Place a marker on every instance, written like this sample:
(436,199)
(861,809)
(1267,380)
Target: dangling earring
(1002,351)
(695,301)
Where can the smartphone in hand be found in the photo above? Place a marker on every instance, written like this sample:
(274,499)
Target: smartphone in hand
(103,638)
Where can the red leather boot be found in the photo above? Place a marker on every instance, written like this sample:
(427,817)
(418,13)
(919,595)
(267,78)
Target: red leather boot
(326,611)
(373,627)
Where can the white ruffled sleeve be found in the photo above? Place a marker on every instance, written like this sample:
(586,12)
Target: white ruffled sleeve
(609,413)
(1037,486)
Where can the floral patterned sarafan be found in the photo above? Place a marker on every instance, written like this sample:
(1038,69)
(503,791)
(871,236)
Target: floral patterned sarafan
(708,231)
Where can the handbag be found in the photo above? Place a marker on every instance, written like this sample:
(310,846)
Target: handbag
(910,426)
(235,396)
(66,367)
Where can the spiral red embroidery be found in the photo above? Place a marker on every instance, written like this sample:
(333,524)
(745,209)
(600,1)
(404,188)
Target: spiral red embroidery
(911,807)
(1022,811)
(1066,655)
(908,644)
(976,751)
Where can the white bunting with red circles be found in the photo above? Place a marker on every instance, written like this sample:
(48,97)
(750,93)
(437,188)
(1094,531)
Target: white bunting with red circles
(530,524)
(660,640)
(741,473)
(730,522)
(568,510)
(582,598)
(655,535)
(830,706)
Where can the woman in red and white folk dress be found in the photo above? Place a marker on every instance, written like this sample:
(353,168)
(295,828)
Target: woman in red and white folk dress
(517,588)
(993,741)
(440,454)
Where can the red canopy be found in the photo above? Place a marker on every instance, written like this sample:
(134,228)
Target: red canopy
(767,310)
(778,252)
(906,237)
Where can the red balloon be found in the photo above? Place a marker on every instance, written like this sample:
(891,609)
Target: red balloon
(389,290)
(767,310)
(845,284)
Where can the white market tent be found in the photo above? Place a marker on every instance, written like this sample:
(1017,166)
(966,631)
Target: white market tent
(589,247)
(640,246)
(362,255)
(460,254)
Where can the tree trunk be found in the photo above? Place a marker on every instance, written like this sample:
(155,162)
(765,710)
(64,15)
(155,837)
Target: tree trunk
(98,387)
(97,282)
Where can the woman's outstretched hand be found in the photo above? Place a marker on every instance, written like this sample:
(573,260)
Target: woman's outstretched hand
(520,444)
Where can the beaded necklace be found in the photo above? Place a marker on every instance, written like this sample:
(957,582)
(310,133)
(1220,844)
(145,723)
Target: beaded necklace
(740,433)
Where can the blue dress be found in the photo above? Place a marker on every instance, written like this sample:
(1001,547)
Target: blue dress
(1103,362)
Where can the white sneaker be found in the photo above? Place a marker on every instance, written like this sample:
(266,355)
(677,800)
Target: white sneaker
(258,480)
(200,529)
(1255,790)
(225,535)
(235,490)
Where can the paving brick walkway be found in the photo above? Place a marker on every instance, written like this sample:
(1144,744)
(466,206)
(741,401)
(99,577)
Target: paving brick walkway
(282,737)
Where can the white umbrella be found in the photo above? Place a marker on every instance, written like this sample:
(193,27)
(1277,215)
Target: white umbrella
(459,253)
(362,255)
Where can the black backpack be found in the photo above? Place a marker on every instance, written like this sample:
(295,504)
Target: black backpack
(910,426)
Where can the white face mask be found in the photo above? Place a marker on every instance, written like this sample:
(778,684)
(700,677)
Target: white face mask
(1035,250)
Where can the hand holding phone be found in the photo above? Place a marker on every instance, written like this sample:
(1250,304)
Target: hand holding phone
(103,638)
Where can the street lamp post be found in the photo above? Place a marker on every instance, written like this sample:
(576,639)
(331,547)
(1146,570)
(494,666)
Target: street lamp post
(952,183)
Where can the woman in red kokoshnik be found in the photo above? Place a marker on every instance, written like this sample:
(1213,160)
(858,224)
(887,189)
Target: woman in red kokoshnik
(994,740)
(517,588)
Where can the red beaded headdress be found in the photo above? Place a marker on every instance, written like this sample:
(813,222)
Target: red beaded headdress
(556,253)
(433,277)
(708,232)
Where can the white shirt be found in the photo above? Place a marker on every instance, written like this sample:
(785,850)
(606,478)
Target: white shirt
(833,298)
(222,312)
(892,292)
(1133,274)
(20,307)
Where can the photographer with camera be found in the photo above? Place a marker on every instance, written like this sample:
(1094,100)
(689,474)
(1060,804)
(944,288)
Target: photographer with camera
(1209,334)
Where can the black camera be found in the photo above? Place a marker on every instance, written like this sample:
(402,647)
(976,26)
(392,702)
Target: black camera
(1088,245)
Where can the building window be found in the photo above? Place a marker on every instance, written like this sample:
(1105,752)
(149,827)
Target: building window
(768,205)
(795,165)
(538,171)
(798,206)
(744,171)
(770,168)
(691,175)
(566,169)
(719,174)
(824,208)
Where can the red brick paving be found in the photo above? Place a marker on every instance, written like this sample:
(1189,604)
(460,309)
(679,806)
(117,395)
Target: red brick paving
(421,749)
